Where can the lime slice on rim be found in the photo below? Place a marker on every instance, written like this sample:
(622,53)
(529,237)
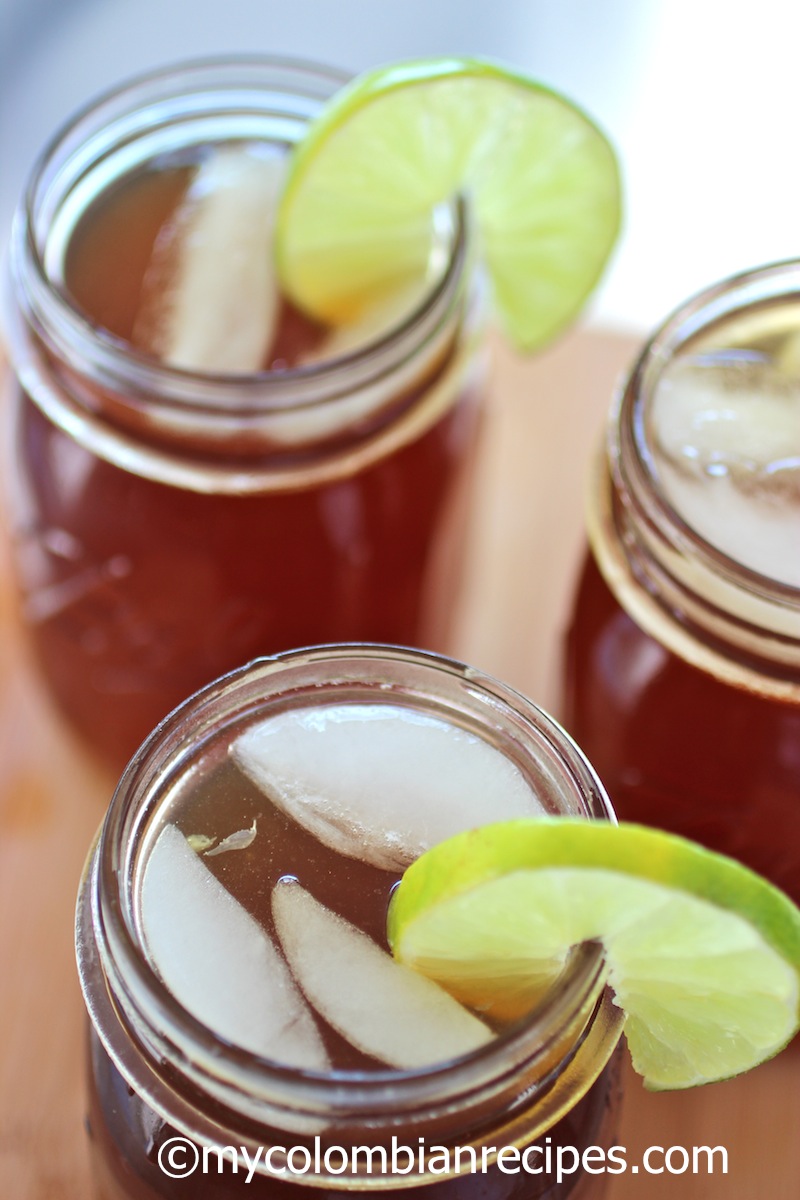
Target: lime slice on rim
(355,220)
(703,955)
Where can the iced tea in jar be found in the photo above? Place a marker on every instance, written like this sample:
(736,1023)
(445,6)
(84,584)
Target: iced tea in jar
(683,664)
(245,1011)
(184,494)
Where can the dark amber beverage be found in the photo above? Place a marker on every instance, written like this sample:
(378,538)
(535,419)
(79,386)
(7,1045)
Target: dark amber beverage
(683,656)
(170,522)
(232,948)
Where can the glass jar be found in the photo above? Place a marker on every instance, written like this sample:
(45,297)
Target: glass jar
(683,656)
(159,1078)
(169,525)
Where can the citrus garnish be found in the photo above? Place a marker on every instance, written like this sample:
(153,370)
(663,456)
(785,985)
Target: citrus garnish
(703,955)
(541,181)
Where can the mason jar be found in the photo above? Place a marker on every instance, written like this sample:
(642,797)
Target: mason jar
(169,523)
(168,1093)
(683,655)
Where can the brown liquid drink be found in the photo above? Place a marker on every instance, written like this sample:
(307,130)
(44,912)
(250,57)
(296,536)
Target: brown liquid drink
(169,521)
(231,941)
(653,752)
(683,668)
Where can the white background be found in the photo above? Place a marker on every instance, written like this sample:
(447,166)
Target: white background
(701,98)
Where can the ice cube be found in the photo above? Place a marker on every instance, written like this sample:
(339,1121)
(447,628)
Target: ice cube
(728,410)
(218,962)
(381,1007)
(210,298)
(380,782)
(241,839)
(727,446)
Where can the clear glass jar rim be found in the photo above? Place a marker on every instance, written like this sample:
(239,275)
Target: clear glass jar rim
(365,1092)
(629,453)
(52,315)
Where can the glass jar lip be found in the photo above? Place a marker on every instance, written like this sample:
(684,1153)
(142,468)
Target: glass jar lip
(629,452)
(581,981)
(61,323)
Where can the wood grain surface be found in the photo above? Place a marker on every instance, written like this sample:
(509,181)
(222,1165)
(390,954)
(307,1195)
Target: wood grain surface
(544,423)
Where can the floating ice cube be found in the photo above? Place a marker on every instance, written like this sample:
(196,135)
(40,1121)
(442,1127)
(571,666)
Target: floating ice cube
(380,782)
(727,438)
(384,1009)
(728,408)
(240,840)
(218,962)
(210,296)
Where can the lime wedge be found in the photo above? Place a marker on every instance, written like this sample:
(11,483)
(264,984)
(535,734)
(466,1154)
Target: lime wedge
(703,955)
(361,196)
